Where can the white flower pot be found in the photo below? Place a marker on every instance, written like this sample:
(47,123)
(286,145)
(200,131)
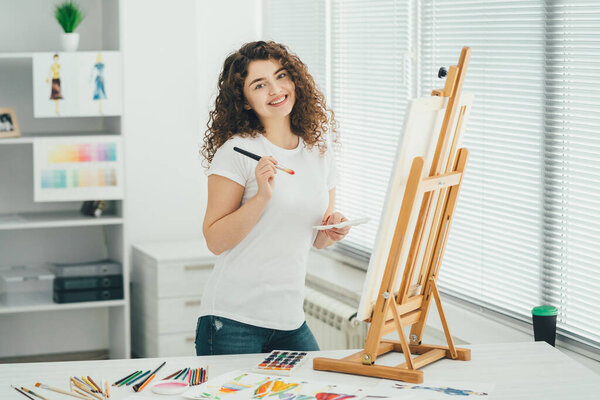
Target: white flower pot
(70,41)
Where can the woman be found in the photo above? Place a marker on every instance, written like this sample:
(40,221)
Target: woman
(259,220)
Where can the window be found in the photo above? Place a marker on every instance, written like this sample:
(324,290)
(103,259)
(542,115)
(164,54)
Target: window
(527,221)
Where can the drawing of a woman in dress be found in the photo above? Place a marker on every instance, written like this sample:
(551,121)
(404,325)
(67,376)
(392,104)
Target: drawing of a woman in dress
(97,77)
(55,93)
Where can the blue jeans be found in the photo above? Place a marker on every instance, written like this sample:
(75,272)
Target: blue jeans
(218,335)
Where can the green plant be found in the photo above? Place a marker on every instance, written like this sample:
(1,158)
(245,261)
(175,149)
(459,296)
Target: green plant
(68,15)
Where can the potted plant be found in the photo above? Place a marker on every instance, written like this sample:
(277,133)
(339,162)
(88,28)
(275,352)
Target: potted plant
(69,16)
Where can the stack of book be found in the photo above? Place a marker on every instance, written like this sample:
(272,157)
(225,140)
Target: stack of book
(90,281)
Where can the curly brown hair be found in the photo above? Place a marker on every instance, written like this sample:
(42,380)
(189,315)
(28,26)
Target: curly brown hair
(310,118)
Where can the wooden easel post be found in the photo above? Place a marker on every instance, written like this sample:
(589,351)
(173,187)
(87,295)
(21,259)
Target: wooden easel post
(396,311)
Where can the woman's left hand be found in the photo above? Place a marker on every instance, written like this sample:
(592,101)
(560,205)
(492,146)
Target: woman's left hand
(336,234)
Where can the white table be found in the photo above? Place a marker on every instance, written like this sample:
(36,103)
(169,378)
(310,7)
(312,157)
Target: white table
(519,371)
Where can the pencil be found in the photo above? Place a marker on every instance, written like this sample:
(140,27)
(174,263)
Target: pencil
(172,375)
(126,381)
(33,393)
(82,387)
(88,383)
(122,379)
(107,389)
(137,387)
(138,377)
(189,379)
(59,390)
(182,373)
(257,158)
(95,384)
(22,392)
(145,383)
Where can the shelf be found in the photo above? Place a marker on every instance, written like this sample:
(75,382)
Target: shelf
(32,139)
(54,219)
(14,56)
(51,306)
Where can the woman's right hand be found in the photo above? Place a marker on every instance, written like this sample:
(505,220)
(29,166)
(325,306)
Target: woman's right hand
(265,177)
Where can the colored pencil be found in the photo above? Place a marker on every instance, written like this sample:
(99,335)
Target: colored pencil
(122,379)
(22,392)
(257,158)
(82,387)
(183,374)
(137,387)
(137,378)
(95,384)
(202,375)
(107,389)
(189,379)
(172,375)
(89,384)
(57,390)
(131,378)
(145,383)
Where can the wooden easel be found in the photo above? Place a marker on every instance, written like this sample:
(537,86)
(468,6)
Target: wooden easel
(410,305)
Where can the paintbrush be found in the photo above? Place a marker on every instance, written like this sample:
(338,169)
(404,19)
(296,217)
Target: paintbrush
(57,390)
(33,393)
(82,387)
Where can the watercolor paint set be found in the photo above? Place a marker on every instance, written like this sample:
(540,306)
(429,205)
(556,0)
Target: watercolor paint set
(281,362)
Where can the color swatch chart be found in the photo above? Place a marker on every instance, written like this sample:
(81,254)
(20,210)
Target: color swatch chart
(281,362)
(76,178)
(82,152)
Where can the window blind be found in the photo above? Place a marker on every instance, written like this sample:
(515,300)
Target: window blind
(571,250)
(370,87)
(527,220)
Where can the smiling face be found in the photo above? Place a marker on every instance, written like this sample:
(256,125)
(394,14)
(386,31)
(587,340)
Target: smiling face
(269,90)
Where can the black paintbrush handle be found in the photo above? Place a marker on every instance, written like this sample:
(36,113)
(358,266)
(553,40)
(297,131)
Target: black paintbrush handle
(247,153)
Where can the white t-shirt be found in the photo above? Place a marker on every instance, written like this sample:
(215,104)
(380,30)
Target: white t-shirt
(260,281)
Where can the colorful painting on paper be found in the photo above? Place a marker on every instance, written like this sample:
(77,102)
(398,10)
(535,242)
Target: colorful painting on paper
(78,168)
(439,390)
(238,385)
(77,84)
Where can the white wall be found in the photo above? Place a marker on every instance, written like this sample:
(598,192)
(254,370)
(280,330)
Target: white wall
(223,27)
(172,55)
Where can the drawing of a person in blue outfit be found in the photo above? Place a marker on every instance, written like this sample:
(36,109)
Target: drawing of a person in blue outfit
(97,77)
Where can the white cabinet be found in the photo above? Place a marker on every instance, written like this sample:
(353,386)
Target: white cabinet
(34,233)
(167,282)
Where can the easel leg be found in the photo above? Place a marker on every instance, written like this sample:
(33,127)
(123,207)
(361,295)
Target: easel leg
(438,303)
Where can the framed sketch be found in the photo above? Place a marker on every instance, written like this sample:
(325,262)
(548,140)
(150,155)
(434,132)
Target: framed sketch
(9,126)
(77,84)
(421,130)
(78,168)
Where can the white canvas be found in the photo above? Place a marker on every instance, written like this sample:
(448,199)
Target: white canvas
(82,75)
(421,129)
(78,168)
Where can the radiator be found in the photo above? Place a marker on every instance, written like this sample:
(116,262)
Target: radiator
(333,323)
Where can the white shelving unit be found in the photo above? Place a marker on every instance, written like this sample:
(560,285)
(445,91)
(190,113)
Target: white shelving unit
(36,233)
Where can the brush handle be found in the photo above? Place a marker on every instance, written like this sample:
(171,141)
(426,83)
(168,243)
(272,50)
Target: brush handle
(65,392)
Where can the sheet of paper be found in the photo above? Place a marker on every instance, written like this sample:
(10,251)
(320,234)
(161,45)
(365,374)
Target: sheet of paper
(436,389)
(239,385)
(350,222)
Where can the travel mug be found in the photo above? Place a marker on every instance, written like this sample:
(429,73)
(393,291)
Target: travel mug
(544,323)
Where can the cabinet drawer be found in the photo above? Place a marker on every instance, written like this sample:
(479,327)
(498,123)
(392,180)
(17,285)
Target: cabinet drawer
(177,345)
(183,278)
(178,314)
